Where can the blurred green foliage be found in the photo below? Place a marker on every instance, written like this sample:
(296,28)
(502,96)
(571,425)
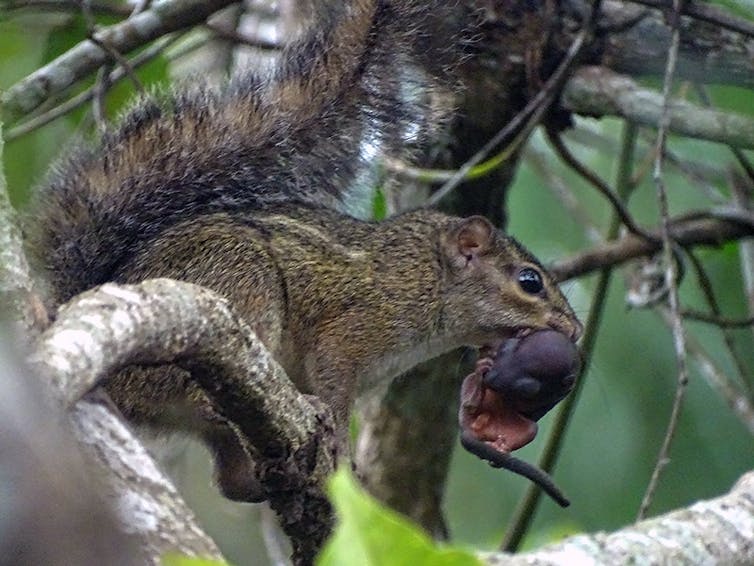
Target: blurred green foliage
(622,414)
(370,534)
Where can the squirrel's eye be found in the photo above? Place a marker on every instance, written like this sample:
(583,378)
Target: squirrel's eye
(530,281)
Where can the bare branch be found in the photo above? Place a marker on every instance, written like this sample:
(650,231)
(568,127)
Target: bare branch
(145,500)
(619,209)
(53,510)
(162,18)
(41,119)
(597,91)
(165,321)
(692,232)
(17,289)
(730,391)
(717,531)
(671,270)
(707,54)
(717,320)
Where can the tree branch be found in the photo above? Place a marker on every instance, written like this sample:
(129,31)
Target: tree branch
(597,91)
(145,500)
(165,321)
(707,53)
(53,512)
(17,289)
(162,18)
(717,531)
(691,232)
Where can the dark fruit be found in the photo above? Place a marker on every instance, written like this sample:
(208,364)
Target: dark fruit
(536,371)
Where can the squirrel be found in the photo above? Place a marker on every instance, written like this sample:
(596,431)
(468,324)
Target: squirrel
(261,190)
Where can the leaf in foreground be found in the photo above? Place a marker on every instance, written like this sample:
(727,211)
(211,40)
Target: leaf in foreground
(369,534)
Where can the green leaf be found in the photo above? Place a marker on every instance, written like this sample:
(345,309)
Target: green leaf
(369,534)
(379,205)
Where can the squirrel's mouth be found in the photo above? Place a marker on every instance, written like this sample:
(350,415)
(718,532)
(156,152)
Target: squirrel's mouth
(516,381)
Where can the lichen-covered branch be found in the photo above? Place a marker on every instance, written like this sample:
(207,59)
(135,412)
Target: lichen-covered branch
(144,499)
(598,91)
(718,531)
(165,321)
(160,19)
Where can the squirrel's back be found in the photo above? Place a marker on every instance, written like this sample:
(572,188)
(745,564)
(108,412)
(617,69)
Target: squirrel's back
(374,78)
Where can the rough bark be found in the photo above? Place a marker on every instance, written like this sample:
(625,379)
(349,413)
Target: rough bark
(164,321)
(718,531)
(18,295)
(518,47)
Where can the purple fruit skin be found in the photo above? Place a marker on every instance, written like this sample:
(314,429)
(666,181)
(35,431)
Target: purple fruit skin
(537,370)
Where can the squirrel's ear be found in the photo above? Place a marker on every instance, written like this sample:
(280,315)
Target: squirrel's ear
(472,237)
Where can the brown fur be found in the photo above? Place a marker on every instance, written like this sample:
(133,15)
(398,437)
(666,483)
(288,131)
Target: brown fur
(242,190)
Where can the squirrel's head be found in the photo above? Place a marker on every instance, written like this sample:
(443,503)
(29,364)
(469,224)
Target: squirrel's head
(497,288)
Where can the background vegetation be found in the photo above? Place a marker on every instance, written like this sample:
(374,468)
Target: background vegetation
(622,413)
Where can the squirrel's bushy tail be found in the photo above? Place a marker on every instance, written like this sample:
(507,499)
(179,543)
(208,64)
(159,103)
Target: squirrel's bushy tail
(366,82)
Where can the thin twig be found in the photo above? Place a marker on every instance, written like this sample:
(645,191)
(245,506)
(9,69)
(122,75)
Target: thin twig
(120,59)
(704,96)
(539,161)
(137,31)
(592,178)
(717,320)
(733,214)
(742,198)
(524,512)
(733,395)
(99,92)
(679,338)
(705,284)
(85,96)
(704,232)
(524,121)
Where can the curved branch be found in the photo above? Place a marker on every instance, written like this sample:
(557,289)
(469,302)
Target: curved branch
(144,499)
(165,321)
